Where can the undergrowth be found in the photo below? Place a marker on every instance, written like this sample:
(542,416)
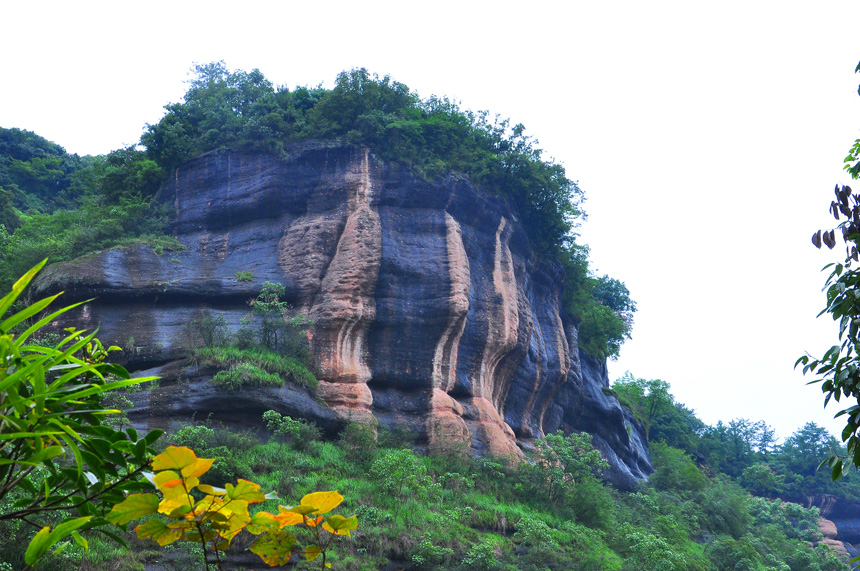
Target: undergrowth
(457,512)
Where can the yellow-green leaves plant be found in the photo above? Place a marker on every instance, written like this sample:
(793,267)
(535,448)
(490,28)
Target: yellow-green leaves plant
(212,517)
(56,455)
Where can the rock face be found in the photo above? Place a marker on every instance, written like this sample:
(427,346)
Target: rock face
(428,307)
(839,523)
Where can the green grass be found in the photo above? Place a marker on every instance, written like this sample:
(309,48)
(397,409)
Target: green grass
(254,366)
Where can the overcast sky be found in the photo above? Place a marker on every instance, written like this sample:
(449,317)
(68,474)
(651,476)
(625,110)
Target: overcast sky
(707,138)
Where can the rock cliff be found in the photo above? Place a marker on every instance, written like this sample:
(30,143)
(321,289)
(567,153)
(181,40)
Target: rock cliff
(428,307)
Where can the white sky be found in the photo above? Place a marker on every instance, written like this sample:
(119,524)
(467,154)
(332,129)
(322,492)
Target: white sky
(707,138)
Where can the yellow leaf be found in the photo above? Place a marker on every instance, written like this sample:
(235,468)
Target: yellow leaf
(286,517)
(166,479)
(207,489)
(174,458)
(300,509)
(176,497)
(236,522)
(322,502)
(199,467)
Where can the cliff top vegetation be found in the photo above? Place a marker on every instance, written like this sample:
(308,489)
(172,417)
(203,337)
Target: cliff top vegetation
(59,205)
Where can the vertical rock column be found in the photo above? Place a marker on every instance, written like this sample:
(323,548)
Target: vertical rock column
(345,305)
(445,425)
(502,335)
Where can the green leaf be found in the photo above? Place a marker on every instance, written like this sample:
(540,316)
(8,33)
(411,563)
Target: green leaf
(43,540)
(133,507)
(19,286)
(246,491)
(340,525)
(26,313)
(80,540)
(312,552)
(158,531)
(38,546)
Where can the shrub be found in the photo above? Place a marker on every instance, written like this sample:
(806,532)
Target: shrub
(219,443)
(481,556)
(359,442)
(560,462)
(534,533)
(261,360)
(206,330)
(427,555)
(651,553)
(299,433)
(400,475)
(244,277)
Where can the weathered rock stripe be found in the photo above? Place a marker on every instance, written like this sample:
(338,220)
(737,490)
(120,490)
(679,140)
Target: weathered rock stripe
(345,306)
(445,356)
(504,321)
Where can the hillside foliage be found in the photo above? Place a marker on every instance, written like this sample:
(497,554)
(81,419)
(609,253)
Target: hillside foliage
(456,512)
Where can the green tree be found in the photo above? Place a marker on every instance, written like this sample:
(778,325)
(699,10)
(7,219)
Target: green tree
(57,456)
(278,331)
(838,370)
(648,399)
(400,475)
(674,469)
(761,480)
(559,462)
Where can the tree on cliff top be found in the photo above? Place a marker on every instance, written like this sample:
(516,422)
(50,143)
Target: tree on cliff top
(223,109)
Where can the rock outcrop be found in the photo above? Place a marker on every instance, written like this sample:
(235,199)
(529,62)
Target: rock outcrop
(429,308)
(829,533)
(839,523)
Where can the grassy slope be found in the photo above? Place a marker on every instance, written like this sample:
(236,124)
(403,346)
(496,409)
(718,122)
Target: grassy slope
(458,513)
